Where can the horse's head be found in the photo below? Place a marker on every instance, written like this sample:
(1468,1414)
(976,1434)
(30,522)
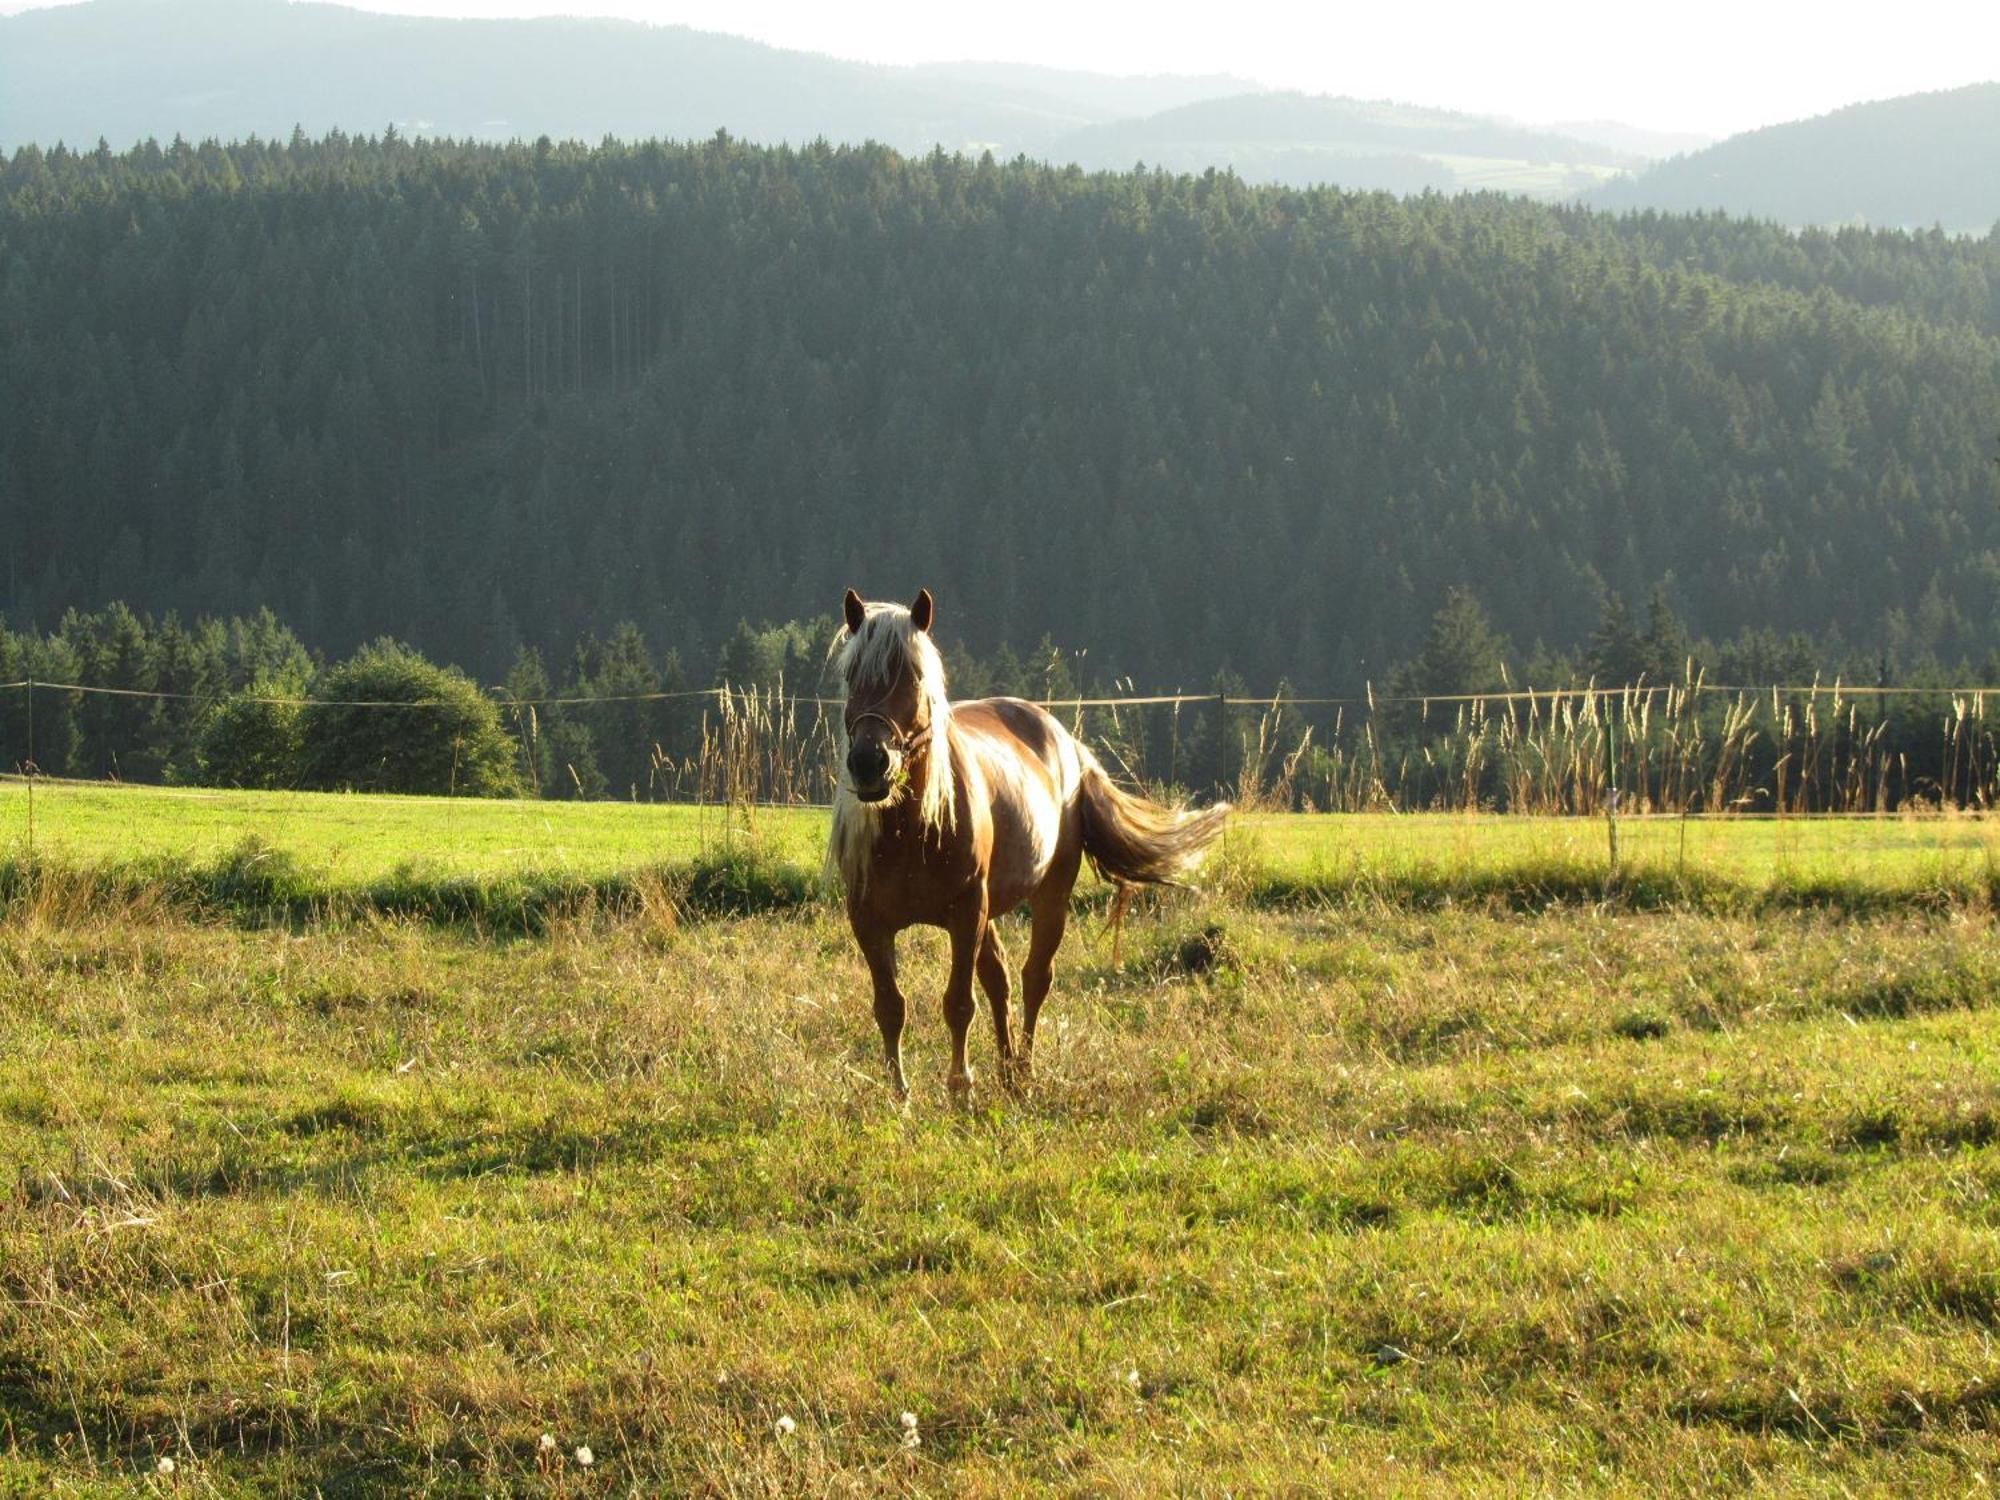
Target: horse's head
(895,692)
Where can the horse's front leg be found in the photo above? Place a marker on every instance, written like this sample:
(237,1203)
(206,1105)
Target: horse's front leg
(878,947)
(967,927)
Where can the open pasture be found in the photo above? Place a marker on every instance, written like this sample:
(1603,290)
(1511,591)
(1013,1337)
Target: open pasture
(1332,1196)
(346,845)
(350,841)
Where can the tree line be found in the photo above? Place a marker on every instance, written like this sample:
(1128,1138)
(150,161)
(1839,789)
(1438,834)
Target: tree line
(243,702)
(486,398)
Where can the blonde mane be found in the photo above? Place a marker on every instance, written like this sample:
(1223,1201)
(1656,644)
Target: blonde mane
(887,645)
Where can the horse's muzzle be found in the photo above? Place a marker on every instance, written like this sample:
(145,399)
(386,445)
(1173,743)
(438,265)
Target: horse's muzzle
(871,771)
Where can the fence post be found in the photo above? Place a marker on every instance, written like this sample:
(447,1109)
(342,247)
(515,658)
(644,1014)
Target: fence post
(31,765)
(1221,745)
(1611,796)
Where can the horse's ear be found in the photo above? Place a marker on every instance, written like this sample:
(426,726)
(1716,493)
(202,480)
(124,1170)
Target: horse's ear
(923,611)
(855,611)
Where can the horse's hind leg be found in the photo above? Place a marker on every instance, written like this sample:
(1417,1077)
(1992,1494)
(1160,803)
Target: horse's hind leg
(1050,911)
(992,969)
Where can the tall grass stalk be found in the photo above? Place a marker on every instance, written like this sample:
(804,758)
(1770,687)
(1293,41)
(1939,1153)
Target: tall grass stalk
(1676,748)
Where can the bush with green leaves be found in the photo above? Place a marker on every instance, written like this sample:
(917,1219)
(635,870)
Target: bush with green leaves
(388,720)
(253,739)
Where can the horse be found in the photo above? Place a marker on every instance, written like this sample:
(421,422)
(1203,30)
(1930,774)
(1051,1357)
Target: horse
(953,814)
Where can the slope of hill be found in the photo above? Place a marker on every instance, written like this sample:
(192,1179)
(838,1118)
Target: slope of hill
(1077,98)
(476,395)
(1913,162)
(1633,140)
(125,70)
(1303,139)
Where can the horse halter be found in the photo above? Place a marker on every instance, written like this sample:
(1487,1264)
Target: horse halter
(907,742)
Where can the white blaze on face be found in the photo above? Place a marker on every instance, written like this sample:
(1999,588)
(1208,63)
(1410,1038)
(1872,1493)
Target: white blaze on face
(876,657)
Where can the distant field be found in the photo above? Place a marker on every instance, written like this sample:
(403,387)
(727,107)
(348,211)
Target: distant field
(348,842)
(355,839)
(1756,851)
(1502,174)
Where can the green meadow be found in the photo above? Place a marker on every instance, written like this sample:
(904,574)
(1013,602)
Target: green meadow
(354,840)
(358,848)
(1391,1163)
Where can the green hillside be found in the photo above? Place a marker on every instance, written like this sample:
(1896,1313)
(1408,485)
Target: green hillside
(479,396)
(1914,162)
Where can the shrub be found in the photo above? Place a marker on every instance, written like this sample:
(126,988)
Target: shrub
(250,743)
(447,741)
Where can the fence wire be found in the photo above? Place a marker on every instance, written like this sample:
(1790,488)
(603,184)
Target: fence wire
(1693,746)
(1835,690)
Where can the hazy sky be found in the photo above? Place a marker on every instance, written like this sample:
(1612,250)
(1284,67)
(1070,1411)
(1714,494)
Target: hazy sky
(1703,65)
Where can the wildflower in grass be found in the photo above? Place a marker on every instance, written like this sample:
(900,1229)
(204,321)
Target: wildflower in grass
(1132,1379)
(165,1465)
(911,1437)
(548,1443)
(584,1456)
(786,1426)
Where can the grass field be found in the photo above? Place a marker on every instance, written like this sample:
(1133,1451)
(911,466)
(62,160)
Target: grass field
(352,841)
(1358,1195)
(351,846)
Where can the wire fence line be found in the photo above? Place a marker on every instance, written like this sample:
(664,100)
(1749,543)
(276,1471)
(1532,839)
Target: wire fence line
(33,684)
(1836,690)
(1687,747)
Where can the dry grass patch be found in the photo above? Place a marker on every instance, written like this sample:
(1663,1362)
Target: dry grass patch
(1363,1199)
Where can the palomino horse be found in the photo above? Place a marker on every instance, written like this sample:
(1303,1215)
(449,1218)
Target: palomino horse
(951,814)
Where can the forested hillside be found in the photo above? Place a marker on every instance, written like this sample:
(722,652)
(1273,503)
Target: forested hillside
(1917,161)
(480,396)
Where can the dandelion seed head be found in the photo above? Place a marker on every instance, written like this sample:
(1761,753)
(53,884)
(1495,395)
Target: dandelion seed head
(547,1443)
(786,1426)
(909,1421)
(584,1456)
(165,1465)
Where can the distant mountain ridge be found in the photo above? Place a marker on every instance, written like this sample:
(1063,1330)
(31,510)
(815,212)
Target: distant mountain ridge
(128,70)
(1911,162)
(125,71)
(1303,139)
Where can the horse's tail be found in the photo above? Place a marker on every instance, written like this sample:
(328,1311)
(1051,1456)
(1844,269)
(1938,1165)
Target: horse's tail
(1136,841)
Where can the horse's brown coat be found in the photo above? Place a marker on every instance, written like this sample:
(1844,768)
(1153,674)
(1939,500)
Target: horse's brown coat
(1027,803)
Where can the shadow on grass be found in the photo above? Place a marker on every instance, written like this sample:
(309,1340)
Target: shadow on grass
(1531,885)
(1767,1406)
(256,884)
